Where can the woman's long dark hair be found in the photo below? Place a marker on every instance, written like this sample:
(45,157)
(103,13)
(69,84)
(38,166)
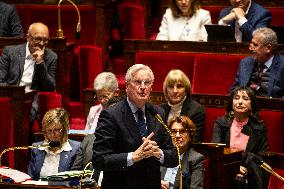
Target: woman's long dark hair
(254,108)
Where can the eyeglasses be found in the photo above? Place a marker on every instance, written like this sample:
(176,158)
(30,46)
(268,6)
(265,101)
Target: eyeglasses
(139,83)
(181,131)
(39,39)
(55,131)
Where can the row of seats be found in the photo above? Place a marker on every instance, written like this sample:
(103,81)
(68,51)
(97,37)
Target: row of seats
(208,73)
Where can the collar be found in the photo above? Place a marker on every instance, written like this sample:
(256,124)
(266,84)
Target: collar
(28,53)
(65,147)
(269,62)
(175,106)
(248,8)
(133,107)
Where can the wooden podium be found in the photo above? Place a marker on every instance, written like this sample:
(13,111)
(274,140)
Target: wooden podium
(223,164)
(22,103)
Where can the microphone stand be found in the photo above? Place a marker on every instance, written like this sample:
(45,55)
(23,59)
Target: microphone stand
(159,118)
(59,30)
(267,168)
(15,148)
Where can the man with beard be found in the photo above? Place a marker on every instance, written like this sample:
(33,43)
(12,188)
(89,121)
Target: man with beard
(245,16)
(264,70)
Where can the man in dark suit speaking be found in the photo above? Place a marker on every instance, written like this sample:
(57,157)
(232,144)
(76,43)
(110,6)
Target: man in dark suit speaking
(30,64)
(128,149)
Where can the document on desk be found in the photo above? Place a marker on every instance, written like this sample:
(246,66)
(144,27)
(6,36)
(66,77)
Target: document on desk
(15,175)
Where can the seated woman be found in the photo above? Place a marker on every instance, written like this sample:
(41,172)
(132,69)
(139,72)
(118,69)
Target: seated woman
(51,160)
(192,162)
(105,86)
(177,92)
(242,129)
(184,20)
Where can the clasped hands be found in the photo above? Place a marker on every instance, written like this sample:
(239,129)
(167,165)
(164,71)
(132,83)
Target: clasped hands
(235,14)
(147,149)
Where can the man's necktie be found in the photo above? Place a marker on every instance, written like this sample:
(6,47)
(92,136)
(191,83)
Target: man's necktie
(256,85)
(141,123)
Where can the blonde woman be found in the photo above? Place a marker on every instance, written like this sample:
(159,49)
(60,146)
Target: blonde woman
(51,160)
(177,92)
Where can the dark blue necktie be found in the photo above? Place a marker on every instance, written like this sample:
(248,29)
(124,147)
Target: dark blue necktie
(141,123)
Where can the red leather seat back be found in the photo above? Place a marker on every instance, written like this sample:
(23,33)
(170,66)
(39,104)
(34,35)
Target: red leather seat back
(214,73)
(274,122)
(7,131)
(162,62)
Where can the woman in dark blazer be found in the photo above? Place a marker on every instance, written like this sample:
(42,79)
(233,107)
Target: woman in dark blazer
(177,92)
(51,160)
(242,129)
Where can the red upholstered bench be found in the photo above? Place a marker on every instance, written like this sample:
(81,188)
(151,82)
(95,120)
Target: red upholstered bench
(214,12)
(132,20)
(274,123)
(90,65)
(162,62)
(48,15)
(277,16)
(214,73)
(7,130)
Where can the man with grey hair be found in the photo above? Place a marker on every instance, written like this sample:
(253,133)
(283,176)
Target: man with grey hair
(30,64)
(105,86)
(264,70)
(127,148)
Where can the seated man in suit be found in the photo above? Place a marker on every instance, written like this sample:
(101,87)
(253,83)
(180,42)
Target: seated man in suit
(264,70)
(192,162)
(130,143)
(10,24)
(30,64)
(245,16)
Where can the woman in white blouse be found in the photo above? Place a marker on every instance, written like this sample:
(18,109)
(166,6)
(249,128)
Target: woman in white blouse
(184,20)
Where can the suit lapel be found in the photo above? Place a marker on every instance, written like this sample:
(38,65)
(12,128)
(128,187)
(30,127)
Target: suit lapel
(248,71)
(273,73)
(21,59)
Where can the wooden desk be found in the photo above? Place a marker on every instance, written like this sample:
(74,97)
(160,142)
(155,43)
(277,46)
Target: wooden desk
(223,165)
(22,103)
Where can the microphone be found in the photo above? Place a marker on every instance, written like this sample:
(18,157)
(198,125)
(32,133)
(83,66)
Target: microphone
(50,144)
(78,27)
(155,113)
(260,162)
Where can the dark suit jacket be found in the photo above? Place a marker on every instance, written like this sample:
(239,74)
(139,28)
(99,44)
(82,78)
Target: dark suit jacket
(195,111)
(117,134)
(257,17)
(65,162)
(193,170)
(257,133)
(10,24)
(276,82)
(85,155)
(12,66)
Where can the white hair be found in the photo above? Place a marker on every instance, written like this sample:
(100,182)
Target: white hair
(106,80)
(135,68)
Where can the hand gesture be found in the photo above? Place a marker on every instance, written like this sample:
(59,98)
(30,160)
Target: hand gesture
(38,55)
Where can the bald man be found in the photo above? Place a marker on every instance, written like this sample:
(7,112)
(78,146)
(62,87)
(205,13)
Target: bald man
(30,64)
